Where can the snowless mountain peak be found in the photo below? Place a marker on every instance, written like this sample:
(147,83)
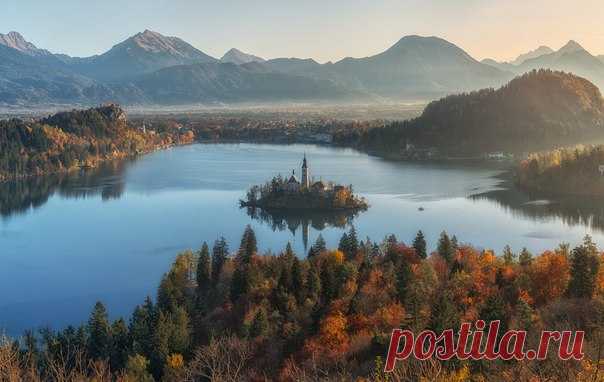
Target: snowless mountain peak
(156,43)
(540,51)
(16,41)
(238,57)
(570,47)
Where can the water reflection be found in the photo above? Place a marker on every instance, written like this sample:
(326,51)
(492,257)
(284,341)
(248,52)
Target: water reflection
(572,211)
(18,197)
(173,200)
(280,220)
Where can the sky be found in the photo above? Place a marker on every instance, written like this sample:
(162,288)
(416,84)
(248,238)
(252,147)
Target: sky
(326,30)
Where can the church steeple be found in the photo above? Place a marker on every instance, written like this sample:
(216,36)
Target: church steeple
(305,174)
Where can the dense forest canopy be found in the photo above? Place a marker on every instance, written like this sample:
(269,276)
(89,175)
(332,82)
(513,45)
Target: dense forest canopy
(534,110)
(74,139)
(571,170)
(236,315)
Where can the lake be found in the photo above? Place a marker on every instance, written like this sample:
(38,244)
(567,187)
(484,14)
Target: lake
(67,241)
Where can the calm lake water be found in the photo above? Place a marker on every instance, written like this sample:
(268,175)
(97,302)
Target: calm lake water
(68,241)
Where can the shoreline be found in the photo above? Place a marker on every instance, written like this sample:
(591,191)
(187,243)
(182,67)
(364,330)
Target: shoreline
(97,163)
(374,153)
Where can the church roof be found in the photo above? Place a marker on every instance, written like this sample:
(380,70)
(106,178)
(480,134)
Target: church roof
(293,179)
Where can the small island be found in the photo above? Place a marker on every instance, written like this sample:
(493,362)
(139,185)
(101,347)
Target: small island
(306,194)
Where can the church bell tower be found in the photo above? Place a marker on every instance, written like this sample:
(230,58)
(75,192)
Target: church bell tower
(305,174)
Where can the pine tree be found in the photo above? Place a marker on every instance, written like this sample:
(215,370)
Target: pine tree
(444,313)
(120,345)
(314,284)
(524,313)
(509,257)
(142,325)
(353,243)
(240,282)
(285,279)
(419,244)
(203,274)
(526,258)
(366,247)
(180,338)
(298,281)
(454,243)
(403,278)
(318,247)
(390,241)
(174,287)
(329,281)
(494,309)
(446,248)
(220,252)
(172,335)
(343,244)
(161,343)
(248,247)
(99,340)
(564,249)
(584,270)
(289,254)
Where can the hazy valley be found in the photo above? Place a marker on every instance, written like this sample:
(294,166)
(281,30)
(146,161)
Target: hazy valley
(149,69)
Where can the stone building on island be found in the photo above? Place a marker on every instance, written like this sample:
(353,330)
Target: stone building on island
(306,183)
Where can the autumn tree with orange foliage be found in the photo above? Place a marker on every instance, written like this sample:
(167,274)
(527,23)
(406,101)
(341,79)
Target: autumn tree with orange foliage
(549,275)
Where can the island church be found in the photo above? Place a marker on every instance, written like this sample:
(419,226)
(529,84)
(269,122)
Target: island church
(306,184)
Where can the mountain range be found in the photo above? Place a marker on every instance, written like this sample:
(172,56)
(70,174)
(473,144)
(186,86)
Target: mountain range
(572,58)
(142,53)
(150,68)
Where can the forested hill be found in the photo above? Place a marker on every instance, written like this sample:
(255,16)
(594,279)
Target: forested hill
(104,121)
(535,110)
(74,139)
(564,171)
